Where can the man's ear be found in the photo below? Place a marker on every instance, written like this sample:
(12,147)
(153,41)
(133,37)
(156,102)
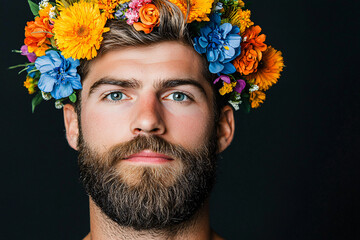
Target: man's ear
(225,128)
(71,125)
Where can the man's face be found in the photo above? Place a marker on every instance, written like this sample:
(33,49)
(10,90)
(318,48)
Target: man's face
(148,137)
(159,90)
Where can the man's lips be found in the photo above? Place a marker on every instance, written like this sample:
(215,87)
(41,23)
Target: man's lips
(148,156)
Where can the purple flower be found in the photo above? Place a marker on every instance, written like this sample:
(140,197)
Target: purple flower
(240,85)
(25,52)
(224,78)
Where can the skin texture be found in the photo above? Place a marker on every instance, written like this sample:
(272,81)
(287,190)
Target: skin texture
(147,106)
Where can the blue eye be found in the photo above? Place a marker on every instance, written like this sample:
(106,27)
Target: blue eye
(115,96)
(178,96)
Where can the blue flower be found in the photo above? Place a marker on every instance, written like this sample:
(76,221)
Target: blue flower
(221,43)
(58,75)
(29,69)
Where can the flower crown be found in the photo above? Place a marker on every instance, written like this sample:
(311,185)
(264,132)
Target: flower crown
(69,30)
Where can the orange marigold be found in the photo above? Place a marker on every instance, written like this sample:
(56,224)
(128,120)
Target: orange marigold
(269,69)
(199,9)
(256,98)
(38,34)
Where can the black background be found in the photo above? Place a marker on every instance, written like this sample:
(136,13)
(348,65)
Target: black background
(292,171)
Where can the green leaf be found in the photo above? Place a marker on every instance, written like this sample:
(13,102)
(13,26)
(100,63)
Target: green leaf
(72,97)
(36,101)
(34,7)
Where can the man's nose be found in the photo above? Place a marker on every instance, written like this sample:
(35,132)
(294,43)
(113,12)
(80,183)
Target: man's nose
(147,116)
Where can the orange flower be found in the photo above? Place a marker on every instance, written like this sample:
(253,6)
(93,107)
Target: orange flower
(269,69)
(251,51)
(256,98)
(251,37)
(199,9)
(149,17)
(109,6)
(247,62)
(37,35)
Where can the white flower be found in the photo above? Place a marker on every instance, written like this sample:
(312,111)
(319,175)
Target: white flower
(52,12)
(43,4)
(254,88)
(46,96)
(58,104)
(235,104)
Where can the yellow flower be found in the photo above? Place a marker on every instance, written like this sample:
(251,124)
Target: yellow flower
(227,88)
(30,84)
(269,68)
(109,7)
(45,11)
(241,4)
(199,9)
(241,18)
(78,30)
(256,98)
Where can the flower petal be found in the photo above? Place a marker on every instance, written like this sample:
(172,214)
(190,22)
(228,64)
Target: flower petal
(62,90)
(46,83)
(44,64)
(234,40)
(240,85)
(212,55)
(216,67)
(203,42)
(228,68)
(229,52)
(75,82)
(225,28)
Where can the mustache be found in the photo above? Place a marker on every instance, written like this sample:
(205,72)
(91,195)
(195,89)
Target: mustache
(153,143)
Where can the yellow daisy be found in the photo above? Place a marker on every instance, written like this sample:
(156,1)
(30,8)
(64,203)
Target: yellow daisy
(199,9)
(78,30)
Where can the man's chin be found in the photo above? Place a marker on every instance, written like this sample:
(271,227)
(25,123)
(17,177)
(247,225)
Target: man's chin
(165,173)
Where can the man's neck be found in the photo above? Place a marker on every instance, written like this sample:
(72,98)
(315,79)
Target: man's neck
(102,228)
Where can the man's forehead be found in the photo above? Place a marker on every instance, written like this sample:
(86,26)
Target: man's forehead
(158,62)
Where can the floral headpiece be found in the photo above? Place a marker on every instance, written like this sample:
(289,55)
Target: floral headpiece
(69,30)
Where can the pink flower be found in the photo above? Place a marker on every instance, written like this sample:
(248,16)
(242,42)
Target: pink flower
(132,16)
(31,56)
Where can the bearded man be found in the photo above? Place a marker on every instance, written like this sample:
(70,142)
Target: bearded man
(150,84)
(148,126)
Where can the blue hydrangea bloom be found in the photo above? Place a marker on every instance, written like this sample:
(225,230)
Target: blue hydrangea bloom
(221,43)
(58,75)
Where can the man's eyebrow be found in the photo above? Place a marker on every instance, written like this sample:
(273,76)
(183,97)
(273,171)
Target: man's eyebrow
(132,83)
(170,83)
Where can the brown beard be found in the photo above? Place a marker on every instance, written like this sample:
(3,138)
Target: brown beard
(146,197)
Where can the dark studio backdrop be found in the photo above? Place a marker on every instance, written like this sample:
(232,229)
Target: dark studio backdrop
(292,171)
